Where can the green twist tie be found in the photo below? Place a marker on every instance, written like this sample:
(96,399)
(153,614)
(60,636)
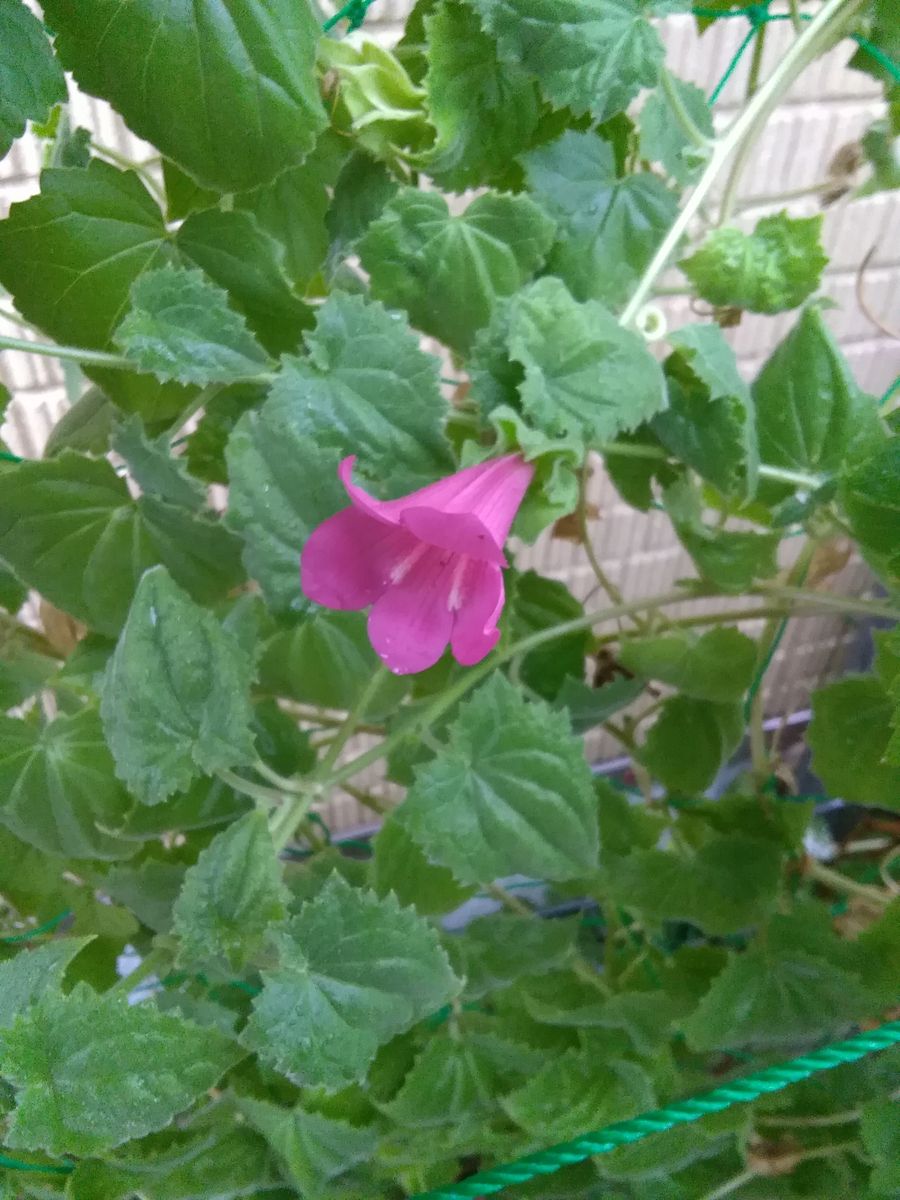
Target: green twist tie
(12,938)
(683,1112)
(354,12)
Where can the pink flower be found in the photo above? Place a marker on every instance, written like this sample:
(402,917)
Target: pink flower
(428,563)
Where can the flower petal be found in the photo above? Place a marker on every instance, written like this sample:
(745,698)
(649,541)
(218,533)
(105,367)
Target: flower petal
(469,512)
(347,560)
(480,601)
(411,622)
(461,533)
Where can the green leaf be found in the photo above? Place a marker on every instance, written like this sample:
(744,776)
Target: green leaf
(85,427)
(31,80)
(205,447)
(609,227)
(870,496)
(575,1093)
(710,422)
(70,529)
(880,147)
(92,1072)
(589,707)
(314,1148)
(357,970)
(849,735)
(772,269)
(69,257)
(536,603)
(293,208)
(366,387)
(776,994)
(12,592)
(730,883)
(485,111)
(510,793)
(231,896)
(399,866)
(212,1162)
(239,255)
(326,659)
(154,468)
(363,188)
(25,978)
(717,666)
(180,328)
(566,1001)
(664,141)
(448,272)
(378,105)
(588,55)
(880,1131)
(149,890)
(450,1083)
(282,486)
(58,789)
(252,70)
(733,560)
(183,194)
(810,414)
(495,951)
(689,741)
(22,671)
(584,375)
(174,671)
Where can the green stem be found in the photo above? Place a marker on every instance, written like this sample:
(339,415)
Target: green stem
(805,479)
(356,714)
(511,903)
(764,201)
(731,1185)
(474,676)
(602,578)
(281,783)
(154,963)
(828,601)
(323,778)
(825,26)
(821,1122)
(694,135)
(840,883)
(756,60)
(266,797)
(627,450)
(89,358)
(375,803)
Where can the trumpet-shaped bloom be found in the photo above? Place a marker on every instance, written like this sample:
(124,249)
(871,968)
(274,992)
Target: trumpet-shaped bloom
(429,564)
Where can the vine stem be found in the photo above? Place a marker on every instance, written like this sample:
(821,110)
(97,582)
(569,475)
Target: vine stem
(828,601)
(263,796)
(742,132)
(153,963)
(805,479)
(450,697)
(841,883)
(651,604)
(694,135)
(608,586)
(79,354)
(324,778)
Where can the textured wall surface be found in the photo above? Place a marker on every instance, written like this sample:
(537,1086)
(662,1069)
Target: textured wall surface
(829,107)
